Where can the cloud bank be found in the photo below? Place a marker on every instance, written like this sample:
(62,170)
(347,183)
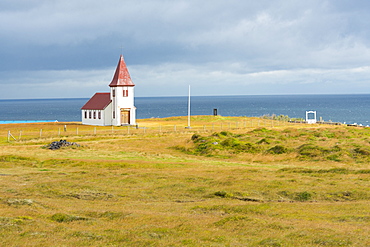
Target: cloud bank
(70,48)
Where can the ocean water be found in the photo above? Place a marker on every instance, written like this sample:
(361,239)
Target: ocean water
(337,108)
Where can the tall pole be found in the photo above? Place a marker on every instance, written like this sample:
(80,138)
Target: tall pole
(189,109)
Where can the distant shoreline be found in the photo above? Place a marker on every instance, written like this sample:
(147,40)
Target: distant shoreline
(28,121)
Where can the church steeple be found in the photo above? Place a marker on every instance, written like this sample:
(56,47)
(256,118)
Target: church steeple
(121,76)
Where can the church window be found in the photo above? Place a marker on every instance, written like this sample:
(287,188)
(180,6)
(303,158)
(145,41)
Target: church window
(94,114)
(85,114)
(99,115)
(125,93)
(89,114)
(114,114)
(114,93)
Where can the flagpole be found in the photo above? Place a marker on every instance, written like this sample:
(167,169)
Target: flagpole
(189,109)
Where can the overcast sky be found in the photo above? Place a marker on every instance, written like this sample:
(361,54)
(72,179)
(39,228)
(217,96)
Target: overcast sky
(69,49)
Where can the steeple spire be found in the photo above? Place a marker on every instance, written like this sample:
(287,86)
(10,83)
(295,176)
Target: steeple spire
(121,76)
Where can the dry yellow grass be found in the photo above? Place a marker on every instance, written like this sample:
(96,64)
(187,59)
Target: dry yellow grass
(136,190)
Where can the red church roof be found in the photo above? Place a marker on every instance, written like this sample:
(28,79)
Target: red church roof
(121,76)
(98,102)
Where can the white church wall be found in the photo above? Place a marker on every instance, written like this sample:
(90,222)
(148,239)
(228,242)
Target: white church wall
(96,117)
(123,99)
(108,115)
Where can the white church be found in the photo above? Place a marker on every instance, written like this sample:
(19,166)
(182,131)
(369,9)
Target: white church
(114,108)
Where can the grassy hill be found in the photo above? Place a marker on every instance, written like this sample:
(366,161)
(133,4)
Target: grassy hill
(224,182)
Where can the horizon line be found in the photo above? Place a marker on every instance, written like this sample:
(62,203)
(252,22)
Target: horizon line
(216,95)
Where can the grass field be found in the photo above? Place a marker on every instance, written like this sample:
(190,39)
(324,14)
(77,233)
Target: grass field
(225,182)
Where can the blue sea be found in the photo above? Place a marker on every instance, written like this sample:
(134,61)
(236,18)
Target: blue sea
(337,108)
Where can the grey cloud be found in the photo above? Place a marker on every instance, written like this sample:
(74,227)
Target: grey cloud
(242,43)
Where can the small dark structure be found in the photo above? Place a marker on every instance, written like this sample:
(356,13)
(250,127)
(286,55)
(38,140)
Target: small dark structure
(215,112)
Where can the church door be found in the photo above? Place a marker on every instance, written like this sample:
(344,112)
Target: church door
(125,116)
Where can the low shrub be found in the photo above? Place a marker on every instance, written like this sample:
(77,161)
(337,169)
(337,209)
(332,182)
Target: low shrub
(278,149)
(230,142)
(297,196)
(223,142)
(195,137)
(250,148)
(263,141)
(334,157)
(223,194)
(310,150)
(261,130)
(361,151)
(302,196)
(226,133)
(60,217)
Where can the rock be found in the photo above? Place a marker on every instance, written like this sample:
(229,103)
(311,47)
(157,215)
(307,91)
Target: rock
(62,143)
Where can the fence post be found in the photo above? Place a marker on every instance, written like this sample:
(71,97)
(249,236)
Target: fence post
(20,135)
(10,135)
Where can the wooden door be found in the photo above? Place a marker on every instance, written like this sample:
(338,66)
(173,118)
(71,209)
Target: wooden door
(125,116)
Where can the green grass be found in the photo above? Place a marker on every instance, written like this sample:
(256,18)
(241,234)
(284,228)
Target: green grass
(304,144)
(301,185)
